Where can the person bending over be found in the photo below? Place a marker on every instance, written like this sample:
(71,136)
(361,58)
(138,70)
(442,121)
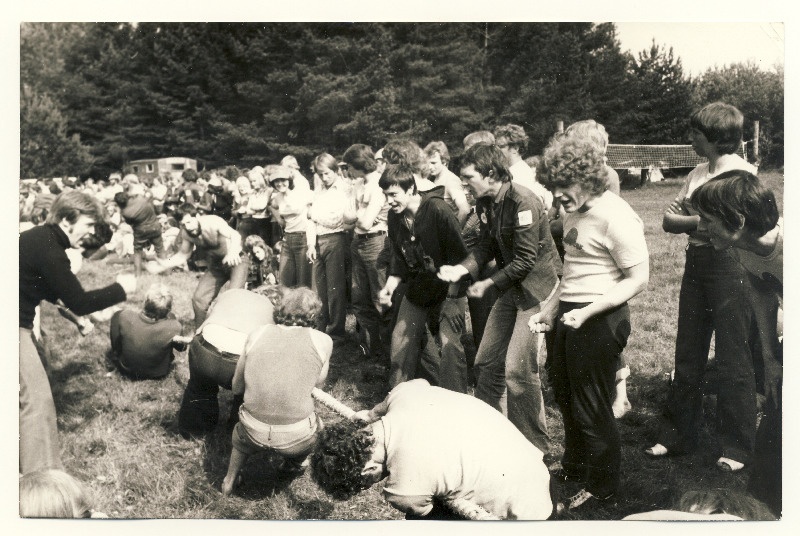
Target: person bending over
(433,444)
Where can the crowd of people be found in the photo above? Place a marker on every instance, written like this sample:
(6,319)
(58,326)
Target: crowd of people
(544,254)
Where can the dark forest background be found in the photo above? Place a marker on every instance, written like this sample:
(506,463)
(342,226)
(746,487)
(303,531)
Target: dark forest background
(96,95)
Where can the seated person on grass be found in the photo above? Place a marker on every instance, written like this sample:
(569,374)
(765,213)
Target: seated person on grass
(142,341)
(434,444)
(280,366)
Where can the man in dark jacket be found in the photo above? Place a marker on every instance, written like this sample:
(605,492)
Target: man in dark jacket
(424,235)
(44,274)
(515,232)
(140,214)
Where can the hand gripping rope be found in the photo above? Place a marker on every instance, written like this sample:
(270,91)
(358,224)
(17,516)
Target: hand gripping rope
(462,507)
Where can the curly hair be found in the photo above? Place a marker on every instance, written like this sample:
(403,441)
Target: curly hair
(569,160)
(339,457)
(298,307)
(272,292)
(514,135)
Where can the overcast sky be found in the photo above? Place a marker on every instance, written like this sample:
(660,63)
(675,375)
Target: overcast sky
(701,45)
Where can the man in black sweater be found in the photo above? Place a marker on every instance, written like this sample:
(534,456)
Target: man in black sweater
(44,274)
(424,235)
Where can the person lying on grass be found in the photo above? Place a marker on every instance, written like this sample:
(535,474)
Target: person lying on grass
(432,445)
(277,371)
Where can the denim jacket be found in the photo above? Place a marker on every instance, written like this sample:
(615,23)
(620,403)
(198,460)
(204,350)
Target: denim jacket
(515,232)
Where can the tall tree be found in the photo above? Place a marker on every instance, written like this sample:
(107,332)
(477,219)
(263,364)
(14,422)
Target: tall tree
(663,97)
(46,150)
(758,94)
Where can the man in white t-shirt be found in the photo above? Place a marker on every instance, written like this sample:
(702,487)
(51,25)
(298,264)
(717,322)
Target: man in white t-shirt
(513,142)
(432,445)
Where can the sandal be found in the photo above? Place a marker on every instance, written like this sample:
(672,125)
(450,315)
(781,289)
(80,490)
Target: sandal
(727,465)
(657,451)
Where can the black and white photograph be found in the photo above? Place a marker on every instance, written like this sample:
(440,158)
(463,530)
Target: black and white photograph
(390,266)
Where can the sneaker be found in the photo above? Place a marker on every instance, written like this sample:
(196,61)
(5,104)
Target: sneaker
(727,465)
(657,451)
(583,497)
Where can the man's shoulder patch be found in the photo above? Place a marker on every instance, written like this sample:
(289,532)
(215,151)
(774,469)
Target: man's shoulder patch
(525,217)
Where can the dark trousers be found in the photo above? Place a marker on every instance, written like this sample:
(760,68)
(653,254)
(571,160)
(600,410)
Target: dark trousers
(713,299)
(330,283)
(212,280)
(209,370)
(582,372)
(765,477)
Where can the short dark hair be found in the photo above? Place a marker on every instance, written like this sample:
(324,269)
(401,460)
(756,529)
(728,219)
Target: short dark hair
(721,124)
(298,307)
(401,175)
(186,209)
(360,157)
(340,456)
(72,204)
(121,199)
(189,175)
(486,159)
(736,195)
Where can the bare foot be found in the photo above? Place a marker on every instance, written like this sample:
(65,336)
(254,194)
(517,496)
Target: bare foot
(620,408)
(227,485)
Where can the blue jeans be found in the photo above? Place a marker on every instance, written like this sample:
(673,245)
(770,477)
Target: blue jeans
(506,361)
(414,351)
(295,270)
(713,299)
(368,280)
(582,372)
(329,281)
(38,432)
(211,282)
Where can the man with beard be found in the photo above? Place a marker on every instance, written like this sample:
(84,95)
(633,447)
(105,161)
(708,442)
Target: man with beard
(222,246)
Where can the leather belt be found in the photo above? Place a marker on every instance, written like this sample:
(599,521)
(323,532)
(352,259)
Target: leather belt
(370,235)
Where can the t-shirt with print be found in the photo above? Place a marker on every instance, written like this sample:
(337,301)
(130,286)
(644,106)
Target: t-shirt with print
(598,244)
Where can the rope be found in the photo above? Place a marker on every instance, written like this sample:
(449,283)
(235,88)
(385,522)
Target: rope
(462,507)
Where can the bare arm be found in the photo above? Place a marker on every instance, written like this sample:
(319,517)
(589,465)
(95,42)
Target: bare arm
(635,280)
(367,215)
(677,219)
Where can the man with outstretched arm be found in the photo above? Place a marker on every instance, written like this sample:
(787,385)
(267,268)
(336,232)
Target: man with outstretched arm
(223,247)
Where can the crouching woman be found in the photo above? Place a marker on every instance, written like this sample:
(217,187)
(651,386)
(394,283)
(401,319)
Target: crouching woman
(280,366)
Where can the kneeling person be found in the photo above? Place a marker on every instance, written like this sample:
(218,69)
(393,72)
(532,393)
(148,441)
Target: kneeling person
(142,341)
(280,366)
(434,444)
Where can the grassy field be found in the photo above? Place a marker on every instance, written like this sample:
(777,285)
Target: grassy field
(120,436)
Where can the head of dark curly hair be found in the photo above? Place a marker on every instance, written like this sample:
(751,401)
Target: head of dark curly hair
(342,451)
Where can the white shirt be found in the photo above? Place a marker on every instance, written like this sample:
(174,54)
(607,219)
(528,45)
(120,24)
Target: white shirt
(444,444)
(521,173)
(598,244)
